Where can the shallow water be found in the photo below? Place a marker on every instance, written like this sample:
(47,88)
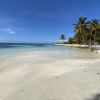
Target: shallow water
(8,50)
(15,54)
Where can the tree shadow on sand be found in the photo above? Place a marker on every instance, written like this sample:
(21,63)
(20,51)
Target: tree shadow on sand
(95,97)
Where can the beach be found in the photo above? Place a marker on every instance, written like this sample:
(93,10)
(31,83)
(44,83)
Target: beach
(73,45)
(49,74)
(49,49)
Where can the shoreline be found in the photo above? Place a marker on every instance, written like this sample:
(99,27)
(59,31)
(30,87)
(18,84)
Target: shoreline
(95,49)
(42,75)
(73,45)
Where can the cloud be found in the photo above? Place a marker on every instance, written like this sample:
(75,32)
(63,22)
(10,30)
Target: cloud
(7,23)
(12,32)
(9,30)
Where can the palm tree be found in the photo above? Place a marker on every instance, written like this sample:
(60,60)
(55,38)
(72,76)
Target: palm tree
(80,29)
(93,26)
(62,37)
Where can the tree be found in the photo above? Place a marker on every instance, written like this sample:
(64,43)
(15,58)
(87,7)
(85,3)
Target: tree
(94,25)
(62,37)
(98,36)
(80,29)
(71,40)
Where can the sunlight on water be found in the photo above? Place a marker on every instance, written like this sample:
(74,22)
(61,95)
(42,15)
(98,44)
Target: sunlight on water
(59,52)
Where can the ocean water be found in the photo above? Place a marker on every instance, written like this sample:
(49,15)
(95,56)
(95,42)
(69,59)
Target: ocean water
(8,50)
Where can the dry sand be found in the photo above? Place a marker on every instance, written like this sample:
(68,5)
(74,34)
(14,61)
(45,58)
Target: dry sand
(22,78)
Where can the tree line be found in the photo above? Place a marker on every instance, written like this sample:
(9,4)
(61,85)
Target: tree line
(86,32)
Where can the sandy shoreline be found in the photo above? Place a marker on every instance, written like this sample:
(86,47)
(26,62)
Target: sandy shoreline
(96,48)
(73,45)
(66,79)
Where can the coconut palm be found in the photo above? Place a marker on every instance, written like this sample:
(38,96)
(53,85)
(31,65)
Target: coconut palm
(62,37)
(80,29)
(93,27)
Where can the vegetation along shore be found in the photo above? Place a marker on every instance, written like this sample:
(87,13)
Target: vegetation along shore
(86,35)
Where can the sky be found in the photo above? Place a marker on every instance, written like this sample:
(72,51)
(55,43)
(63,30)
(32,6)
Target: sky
(43,20)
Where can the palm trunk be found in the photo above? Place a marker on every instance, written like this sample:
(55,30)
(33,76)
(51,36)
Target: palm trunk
(90,44)
(83,39)
(94,40)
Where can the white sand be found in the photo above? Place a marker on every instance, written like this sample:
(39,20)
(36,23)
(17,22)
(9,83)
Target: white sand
(27,78)
(74,45)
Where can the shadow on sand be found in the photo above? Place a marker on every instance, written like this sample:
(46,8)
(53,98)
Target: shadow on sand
(95,97)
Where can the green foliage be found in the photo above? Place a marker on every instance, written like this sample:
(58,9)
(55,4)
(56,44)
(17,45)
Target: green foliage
(86,32)
(62,37)
(71,40)
(98,36)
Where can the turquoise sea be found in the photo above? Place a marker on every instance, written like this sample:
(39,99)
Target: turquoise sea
(54,52)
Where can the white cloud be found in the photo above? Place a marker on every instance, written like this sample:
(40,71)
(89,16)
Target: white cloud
(9,30)
(12,32)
